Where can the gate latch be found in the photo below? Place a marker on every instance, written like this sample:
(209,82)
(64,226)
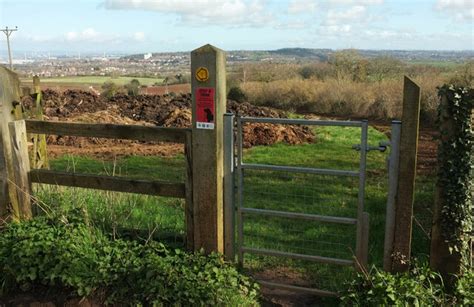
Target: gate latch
(382,147)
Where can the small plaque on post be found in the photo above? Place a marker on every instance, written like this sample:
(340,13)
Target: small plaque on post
(205,107)
(202,74)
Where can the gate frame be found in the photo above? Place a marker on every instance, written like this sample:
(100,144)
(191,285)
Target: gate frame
(236,166)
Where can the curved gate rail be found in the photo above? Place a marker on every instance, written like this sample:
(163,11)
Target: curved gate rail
(360,221)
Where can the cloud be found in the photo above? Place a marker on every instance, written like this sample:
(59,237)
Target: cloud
(89,35)
(335,31)
(292,25)
(202,12)
(353,15)
(356,2)
(462,9)
(302,6)
(405,35)
(139,36)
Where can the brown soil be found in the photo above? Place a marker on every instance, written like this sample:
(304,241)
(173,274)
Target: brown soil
(170,110)
(427,148)
(279,297)
(174,110)
(163,89)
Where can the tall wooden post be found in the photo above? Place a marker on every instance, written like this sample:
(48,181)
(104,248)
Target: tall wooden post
(39,155)
(21,167)
(406,178)
(209,104)
(9,100)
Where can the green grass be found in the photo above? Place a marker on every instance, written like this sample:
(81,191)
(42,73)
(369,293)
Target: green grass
(122,214)
(314,194)
(98,80)
(441,64)
(135,167)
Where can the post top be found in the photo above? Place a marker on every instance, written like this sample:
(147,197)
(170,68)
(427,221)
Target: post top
(207,48)
(409,81)
(5,72)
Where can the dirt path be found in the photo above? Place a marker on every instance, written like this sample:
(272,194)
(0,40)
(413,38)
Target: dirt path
(427,148)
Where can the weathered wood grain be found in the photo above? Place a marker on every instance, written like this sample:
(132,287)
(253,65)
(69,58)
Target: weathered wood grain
(406,178)
(208,156)
(9,98)
(21,167)
(110,131)
(109,183)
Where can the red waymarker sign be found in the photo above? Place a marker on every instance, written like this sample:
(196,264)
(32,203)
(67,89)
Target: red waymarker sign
(205,107)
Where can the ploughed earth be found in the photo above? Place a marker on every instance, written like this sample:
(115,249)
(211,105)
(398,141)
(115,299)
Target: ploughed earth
(169,110)
(174,110)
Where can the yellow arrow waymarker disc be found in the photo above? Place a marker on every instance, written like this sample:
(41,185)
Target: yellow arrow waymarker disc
(202,74)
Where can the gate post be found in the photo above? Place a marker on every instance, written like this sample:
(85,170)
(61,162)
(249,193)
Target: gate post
(393,162)
(39,154)
(9,100)
(209,104)
(406,177)
(229,187)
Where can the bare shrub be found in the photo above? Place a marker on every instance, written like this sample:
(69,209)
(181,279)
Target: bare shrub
(344,97)
(429,95)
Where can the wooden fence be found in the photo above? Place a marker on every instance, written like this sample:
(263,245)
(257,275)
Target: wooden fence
(203,143)
(23,176)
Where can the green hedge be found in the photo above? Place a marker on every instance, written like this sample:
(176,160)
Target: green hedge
(418,287)
(455,166)
(81,261)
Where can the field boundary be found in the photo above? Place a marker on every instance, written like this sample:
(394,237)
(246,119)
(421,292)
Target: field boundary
(24,177)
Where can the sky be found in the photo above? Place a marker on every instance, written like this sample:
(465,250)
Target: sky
(136,26)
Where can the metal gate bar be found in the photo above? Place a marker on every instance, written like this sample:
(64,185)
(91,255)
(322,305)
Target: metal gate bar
(304,170)
(361,252)
(275,285)
(302,216)
(321,259)
(310,122)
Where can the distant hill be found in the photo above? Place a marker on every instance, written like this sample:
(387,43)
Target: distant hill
(320,54)
(307,54)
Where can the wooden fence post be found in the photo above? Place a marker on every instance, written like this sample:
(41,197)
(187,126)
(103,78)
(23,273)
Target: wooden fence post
(39,154)
(209,104)
(9,102)
(21,167)
(406,178)
(189,208)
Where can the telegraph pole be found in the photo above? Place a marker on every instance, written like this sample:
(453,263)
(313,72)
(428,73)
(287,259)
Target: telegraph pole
(9,32)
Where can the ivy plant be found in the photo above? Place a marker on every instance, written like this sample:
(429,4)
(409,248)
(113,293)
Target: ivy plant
(455,156)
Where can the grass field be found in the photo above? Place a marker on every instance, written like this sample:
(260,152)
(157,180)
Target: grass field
(163,218)
(96,80)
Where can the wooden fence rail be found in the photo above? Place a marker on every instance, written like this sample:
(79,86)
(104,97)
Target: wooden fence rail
(108,183)
(109,131)
(24,176)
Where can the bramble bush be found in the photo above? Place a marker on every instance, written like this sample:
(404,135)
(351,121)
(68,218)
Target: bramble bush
(80,260)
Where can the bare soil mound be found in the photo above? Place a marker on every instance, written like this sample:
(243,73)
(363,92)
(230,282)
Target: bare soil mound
(170,110)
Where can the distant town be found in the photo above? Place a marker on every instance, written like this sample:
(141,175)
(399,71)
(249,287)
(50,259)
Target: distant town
(57,64)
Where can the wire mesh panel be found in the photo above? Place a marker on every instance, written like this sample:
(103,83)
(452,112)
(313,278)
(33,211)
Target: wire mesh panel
(301,237)
(297,273)
(302,193)
(299,223)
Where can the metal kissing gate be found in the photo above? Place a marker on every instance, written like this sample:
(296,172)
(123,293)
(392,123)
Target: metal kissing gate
(278,206)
